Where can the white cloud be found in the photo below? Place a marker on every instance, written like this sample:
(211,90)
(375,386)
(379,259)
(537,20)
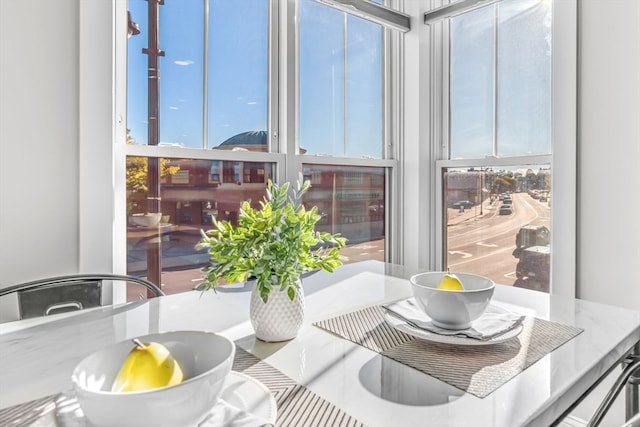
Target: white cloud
(184,62)
(173,108)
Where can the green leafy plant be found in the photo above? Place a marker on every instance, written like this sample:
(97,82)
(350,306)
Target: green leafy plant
(273,244)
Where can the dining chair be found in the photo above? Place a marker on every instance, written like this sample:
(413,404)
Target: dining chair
(54,295)
(629,377)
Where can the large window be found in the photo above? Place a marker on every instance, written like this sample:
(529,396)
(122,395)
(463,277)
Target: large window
(495,175)
(204,123)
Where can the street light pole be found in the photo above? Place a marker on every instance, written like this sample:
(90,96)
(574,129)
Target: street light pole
(154,252)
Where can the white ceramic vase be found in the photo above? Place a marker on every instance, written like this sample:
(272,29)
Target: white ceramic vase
(279,319)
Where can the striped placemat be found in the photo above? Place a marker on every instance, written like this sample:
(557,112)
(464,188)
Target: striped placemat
(475,369)
(297,405)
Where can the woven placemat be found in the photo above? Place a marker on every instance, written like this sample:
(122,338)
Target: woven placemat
(475,369)
(297,405)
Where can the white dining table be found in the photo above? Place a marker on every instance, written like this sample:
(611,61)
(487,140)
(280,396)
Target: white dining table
(37,356)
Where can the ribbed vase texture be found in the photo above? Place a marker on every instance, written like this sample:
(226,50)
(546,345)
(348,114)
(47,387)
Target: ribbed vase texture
(280,318)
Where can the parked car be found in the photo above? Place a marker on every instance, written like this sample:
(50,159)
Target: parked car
(532,235)
(505,210)
(535,263)
(463,203)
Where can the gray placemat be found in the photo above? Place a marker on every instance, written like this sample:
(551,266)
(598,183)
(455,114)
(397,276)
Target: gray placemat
(297,405)
(477,369)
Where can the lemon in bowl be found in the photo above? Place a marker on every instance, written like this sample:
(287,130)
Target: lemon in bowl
(452,300)
(175,380)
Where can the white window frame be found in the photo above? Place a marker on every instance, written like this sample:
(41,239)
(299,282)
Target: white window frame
(102,245)
(563,159)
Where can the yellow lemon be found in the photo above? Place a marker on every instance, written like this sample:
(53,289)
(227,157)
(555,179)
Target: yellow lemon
(148,365)
(450,282)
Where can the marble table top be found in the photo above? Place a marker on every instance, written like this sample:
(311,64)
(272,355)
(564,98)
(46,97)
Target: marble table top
(37,356)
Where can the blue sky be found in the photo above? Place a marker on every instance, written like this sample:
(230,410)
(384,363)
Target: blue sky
(237,78)
(238,73)
(334,92)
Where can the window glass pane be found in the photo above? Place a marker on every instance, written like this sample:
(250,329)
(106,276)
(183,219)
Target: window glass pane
(472,88)
(180,91)
(237,76)
(191,193)
(364,89)
(181,70)
(238,68)
(351,201)
(340,83)
(524,79)
(500,76)
(498,224)
(321,68)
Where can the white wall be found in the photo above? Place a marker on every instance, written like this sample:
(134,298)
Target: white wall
(609,152)
(38,139)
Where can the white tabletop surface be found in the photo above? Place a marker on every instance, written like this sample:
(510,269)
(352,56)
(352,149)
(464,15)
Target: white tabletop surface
(37,357)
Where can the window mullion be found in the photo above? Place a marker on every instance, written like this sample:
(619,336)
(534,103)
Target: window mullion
(495,81)
(288,81)
(205,74)
(345,77)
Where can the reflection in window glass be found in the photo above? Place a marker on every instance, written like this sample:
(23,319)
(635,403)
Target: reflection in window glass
(341,83)
(498,224)
(190,196)
(351,201)
(500,90)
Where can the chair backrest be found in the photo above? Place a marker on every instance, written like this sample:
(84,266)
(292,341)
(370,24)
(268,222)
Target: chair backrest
(55,295)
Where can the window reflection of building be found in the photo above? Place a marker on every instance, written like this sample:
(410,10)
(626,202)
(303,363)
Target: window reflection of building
(350,200)
(195,192)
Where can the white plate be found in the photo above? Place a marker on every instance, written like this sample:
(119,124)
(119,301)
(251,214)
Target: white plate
(402,326)
(241,391)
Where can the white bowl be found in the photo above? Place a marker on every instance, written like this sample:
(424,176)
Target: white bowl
(452,309)
(205,359)
(146,220)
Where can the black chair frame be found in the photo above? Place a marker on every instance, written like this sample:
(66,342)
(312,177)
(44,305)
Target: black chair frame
(80,291)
